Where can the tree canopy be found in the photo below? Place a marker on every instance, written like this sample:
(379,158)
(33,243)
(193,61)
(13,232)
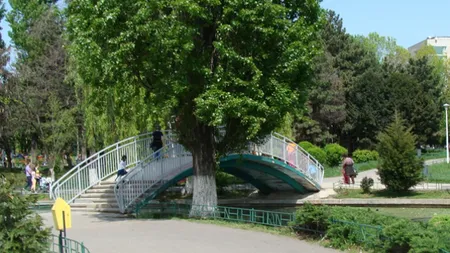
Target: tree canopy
(239,64)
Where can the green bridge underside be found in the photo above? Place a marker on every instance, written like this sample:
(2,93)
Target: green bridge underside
(266,174)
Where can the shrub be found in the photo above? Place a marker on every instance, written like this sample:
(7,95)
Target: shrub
(399,168)
(440,222)
(366,183)
(363,155)
(334,153)
(315,218)
(306,145)
(318,154)
(21,230)
(441,225)
(346,227)
(314,151)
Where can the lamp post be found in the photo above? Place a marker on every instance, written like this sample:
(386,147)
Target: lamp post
(446,130)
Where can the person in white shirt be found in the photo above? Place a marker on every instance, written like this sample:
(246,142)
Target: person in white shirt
(122,167)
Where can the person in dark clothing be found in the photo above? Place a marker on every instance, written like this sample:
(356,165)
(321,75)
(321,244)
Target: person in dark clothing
(157,142)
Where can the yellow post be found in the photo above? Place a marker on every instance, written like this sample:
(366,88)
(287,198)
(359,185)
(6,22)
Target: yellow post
(59,209)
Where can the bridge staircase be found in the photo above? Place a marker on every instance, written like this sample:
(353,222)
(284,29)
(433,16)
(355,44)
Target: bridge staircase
(278,164)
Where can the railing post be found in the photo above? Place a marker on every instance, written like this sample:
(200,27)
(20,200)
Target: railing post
(284,150)
(307,166)
(271,145)
(79,180)
(98,170)
(135,150)
(117,154)
(50,190)
(82,248)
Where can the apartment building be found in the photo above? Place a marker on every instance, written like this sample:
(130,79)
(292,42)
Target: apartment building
(441,45)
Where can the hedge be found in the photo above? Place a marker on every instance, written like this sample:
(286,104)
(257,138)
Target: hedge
(345,227)
(363,155)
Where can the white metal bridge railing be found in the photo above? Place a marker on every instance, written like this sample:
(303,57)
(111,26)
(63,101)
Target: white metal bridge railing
(101,166)
(152,172)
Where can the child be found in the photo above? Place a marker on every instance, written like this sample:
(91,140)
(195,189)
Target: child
(122,167)
(33,178)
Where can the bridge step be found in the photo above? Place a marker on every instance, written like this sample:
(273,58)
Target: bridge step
(94,205)
(106,190)
(98,195)
(95,210)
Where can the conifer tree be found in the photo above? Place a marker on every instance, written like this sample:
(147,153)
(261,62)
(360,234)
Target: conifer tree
(399,168)
(21,230)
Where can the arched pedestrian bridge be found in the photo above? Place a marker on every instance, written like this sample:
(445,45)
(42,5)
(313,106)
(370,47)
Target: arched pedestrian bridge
(276,165)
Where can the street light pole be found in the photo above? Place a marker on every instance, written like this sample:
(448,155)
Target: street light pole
(446,131)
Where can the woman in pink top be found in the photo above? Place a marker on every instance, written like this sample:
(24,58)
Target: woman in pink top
(347,170)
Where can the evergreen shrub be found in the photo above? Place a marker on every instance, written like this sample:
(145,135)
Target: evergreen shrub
(364,155)
(334,153)
(314,151)
(399,167)
(346,227)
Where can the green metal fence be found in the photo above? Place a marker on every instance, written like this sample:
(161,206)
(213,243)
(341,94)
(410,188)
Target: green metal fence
(66,245)
(367,234)
(261,217)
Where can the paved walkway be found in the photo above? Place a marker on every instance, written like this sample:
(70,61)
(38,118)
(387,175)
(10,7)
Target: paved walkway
(103,233)
(335,182)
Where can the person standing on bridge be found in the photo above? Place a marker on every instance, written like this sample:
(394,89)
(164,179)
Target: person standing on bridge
(157,142)
(122,167)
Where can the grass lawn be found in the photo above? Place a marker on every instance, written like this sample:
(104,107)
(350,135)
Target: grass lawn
(336,171)
(421,214)
(439,173)
(358,194)
(434,154)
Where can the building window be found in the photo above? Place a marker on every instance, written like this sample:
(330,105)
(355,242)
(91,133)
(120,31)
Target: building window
(439,50)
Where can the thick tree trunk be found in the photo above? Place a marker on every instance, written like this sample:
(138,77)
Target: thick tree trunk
(204,198)
(33,151)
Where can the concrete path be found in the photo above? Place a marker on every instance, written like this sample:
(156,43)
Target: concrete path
(103,233)
(329,182)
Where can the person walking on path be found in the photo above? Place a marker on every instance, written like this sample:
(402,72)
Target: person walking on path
(347,170)
(122,167)
(33,178)
(28,172)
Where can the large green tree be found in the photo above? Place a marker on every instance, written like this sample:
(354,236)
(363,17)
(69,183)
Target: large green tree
(8,120)
(326,101)
(46,96)
(238,64)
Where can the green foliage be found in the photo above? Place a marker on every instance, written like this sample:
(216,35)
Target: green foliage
(286,127)
(366,183)
(231,64)
(441,222)
(224,179)
(399,168)
(251,83)
(314,151)
(306,145)
(326,101)
(334,153)
(21,18)
(363,155)
(316,218)
(346,227)
(21,230)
